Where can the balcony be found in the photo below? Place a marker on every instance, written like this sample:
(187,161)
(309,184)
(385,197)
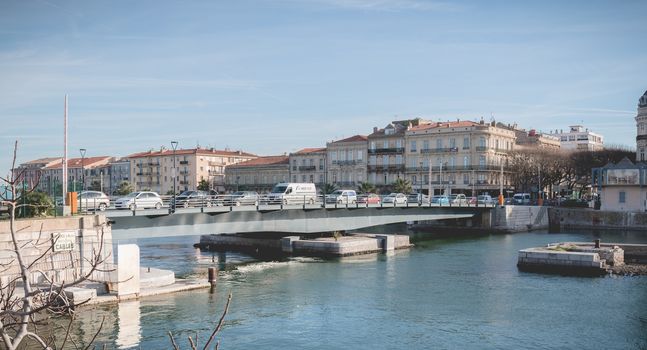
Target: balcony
(382,168)
(394,150)
(347,162)
(307,168)
(184,182)
(152,164)
(481,148)
(436,169)
(439,150)
(184,162)
(184,172)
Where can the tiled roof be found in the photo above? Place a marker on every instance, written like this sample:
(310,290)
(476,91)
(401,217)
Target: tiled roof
(269,160)
(43,160)
(205,151)
(355,138)
(79,162)
(310,150)
(449,124)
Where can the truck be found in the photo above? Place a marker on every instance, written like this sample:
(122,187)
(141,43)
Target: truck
(292,193)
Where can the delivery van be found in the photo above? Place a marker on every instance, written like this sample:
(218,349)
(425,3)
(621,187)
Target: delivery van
(293,193)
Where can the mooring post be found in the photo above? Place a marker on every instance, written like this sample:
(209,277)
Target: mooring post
(597,243)
(213,273)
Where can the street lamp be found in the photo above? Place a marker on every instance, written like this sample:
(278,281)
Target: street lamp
(173,173)
(82,150)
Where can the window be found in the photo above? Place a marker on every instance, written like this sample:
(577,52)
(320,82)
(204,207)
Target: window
(312,162)
(482,161)
(386,143)
(349,155)
(466,161)
(398,159)
(321,164)
(385,160)
(466,143)
(372,144)
(303,178)
(425,145)
(413,146)
(333,156)
(398,143)
(482,141)
(372,160)
(466,179)
(622,197)
(439,144)
(321,178)
(452,143)
(360,154)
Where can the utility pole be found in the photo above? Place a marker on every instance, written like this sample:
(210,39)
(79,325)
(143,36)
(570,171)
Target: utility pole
(64,174)
(501,199)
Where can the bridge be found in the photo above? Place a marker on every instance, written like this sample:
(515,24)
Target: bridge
(288,219)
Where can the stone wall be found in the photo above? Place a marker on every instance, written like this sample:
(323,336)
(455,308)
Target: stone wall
(574,218)
(517,218)
(76,239)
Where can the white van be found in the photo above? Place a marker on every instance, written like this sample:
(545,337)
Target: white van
(293,193)
(521,198)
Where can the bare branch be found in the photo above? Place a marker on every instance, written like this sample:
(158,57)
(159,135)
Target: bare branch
(220,323)
(173,341)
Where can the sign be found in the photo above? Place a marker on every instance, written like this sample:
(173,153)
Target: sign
(64,241)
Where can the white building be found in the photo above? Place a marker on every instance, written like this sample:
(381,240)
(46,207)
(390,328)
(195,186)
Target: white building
(579,139)
(641,127)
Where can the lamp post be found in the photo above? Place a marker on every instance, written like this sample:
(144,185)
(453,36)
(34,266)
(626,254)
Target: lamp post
(420,179)
(173,173)
(82,150)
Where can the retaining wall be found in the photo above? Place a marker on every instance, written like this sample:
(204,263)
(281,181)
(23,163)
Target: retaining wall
(518,218)
(582,218)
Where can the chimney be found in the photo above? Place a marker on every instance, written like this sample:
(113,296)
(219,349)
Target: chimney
(374,129)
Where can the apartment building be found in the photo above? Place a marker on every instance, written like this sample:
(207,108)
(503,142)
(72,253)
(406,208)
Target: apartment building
(641,129)
(52,175)
(32,171)
(579,138)
(308,165)
(460,156)
(154,170)
(346,161)
(117,172)
(531,139)
(259,174)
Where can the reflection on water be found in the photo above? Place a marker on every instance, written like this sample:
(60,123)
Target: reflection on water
(443,293)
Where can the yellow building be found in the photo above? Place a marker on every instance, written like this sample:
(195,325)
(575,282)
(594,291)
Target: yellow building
(154,170)
(308,165)
(259,174)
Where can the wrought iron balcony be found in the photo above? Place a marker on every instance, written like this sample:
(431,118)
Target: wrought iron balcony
(392,150)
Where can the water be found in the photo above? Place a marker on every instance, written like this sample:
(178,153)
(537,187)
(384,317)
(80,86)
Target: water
(444,294)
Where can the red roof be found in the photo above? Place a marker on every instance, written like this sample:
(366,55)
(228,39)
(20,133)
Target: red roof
(353,139)
(453,124)
(269,160)
(80,162)
(205,151)
(310,150)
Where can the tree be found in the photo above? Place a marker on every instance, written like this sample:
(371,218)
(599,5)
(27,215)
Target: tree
(124,188)
(366,187)
(38,204)
(21,313)
(203,185)
(328,188)
(402,186)
(95,186)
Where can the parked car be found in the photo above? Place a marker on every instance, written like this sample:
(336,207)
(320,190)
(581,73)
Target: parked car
(521,199)
(369,198)
(471,200)
(292,193)
(342,197)
(440,200)
(139,200)
(418,198)
(93,200)
(396,198)
(192,199)
(485,199)
(241,198)
(458,199)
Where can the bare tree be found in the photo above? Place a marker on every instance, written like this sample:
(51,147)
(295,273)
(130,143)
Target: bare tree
(25,305)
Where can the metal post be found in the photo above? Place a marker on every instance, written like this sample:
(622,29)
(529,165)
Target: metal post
(82,150)
(174,173)
(64,170)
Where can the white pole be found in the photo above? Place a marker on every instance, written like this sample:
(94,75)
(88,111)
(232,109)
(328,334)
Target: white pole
(429,180)
(64,174)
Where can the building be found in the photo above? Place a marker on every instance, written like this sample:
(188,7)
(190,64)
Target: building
(118,171)
(31,172)
(579,139)
(641,127)
(346,161)
(153,170)
(532,140)
(622,186)
(461,156)
(81,173)
(259,174)
(308,165)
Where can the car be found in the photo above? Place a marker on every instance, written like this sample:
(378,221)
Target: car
(369,198)
(93,200)
(418,198)
(471,200)
(485,199)
(458,199)
(192,199)
(139,200)
(521,198)
(440,200)
(342,197)
(292,193)
(395,198)
(241,198)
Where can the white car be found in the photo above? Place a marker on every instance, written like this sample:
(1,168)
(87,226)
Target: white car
(342,197)
(139,200)
(93,200)
(397,198)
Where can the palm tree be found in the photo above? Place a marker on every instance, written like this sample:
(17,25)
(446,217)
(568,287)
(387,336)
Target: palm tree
(365,187)
(402,186)
(328,188)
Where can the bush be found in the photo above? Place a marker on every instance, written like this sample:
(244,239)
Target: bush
(38,204)
(574,203)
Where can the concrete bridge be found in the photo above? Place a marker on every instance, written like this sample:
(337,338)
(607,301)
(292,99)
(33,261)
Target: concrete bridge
(199,221)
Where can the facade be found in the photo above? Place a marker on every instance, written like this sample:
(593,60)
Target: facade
(346,161)
(532,140)
(118,171)
(386,152)
(641,127)
(259,174)
(460,156)
(51,176)
(579,139)
(154,170)
(308,165)
(32,171)
(622,186)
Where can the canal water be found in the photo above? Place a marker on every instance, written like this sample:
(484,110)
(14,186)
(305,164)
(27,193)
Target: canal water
(461,293)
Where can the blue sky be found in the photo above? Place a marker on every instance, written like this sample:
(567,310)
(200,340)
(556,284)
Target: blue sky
(274,76)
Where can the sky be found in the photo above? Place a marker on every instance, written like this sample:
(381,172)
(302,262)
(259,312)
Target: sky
(275,76)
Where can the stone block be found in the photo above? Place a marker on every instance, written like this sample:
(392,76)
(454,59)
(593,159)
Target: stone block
(286,243)
(127,269)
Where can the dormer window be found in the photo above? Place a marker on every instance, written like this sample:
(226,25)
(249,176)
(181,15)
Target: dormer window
(389,131)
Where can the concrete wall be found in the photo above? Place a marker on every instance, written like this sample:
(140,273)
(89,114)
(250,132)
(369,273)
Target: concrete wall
(570,218)
(635,198)
(519,218)
(37,236)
